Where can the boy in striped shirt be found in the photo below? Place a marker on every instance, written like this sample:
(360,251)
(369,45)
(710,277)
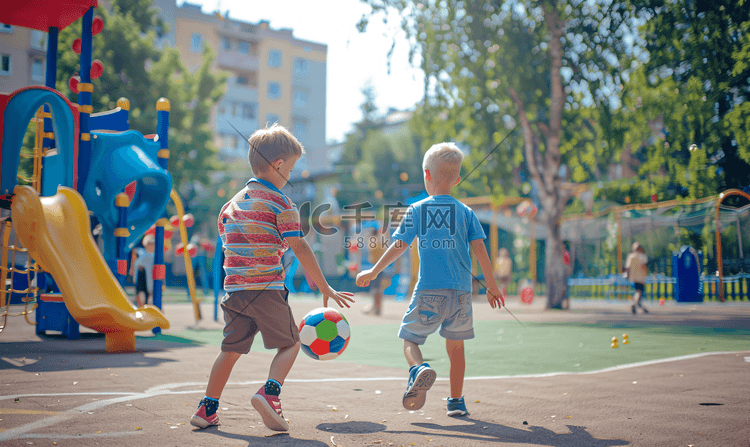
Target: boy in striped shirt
(256,227)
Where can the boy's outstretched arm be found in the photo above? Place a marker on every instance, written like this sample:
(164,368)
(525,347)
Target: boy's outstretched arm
(307,258)
(396,249)
(494,295)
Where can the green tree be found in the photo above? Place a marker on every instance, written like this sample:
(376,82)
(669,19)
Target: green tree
(374,160)
(541,66)
(696,80)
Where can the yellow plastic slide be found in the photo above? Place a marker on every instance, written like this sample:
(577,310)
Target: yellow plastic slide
(57,232)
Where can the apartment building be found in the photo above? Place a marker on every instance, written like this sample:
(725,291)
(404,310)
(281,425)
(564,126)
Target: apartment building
(274,77)
(23,53)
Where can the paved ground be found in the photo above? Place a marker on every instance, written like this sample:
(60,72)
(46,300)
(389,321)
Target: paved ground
(59,392)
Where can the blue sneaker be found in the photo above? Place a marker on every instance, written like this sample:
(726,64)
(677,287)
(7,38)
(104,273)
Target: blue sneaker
(457,407)
(421,378)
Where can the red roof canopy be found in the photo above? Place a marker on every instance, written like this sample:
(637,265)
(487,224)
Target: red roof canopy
(42,14)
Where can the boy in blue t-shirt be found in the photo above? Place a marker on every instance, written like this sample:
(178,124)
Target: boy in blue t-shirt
(444,228)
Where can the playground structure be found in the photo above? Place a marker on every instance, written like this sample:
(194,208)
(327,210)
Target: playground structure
(85,164)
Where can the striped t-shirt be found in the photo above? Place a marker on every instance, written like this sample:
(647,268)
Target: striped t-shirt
(253,227)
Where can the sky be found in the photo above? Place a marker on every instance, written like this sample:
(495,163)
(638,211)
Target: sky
(354,59)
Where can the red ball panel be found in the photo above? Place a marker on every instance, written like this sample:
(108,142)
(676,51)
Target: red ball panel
(320,347)
(332,315)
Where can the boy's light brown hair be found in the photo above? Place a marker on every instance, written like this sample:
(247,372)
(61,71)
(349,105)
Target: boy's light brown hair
(443,160)
(271,144)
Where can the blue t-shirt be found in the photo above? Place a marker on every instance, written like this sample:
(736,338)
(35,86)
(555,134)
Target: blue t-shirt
(443,227)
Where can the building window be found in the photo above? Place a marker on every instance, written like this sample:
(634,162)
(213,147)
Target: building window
(5,28)
(274,58)
(226,45)
(243,80)
(300,67)
(196,43)
(300,99)
(300,130)
(272,118)
(274,90)
(37,70)
(248,111)
(228,141)
(38,40)
(6,64)
(231,141)
(243,47)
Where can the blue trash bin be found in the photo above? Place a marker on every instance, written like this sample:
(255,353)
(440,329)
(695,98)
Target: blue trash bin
(686,266)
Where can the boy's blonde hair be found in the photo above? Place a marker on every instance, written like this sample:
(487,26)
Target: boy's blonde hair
(148,239)
(443,160)
(271,144)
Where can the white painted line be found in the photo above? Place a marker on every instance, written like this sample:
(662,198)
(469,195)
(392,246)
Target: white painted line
(22,431)
(17,432)
(113,434)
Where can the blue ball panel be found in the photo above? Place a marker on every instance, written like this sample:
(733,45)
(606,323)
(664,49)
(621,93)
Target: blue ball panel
(314,319)
(337,344)
(306,349)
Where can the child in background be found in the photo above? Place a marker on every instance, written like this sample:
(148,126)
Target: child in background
(256,226)
(503,269)
(142,265)
(636,271)
(376,245)
(445,229)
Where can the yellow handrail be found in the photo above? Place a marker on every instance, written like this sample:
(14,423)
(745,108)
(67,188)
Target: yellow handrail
(188,262)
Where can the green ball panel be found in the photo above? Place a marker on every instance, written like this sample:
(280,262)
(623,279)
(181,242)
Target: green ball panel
(326,330)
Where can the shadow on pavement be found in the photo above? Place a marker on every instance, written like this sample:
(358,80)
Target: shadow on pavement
(271,440)
(355,427)
(57,353)
(490,432)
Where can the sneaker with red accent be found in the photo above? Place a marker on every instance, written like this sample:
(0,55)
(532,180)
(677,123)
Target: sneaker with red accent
(269,408)
(200,419)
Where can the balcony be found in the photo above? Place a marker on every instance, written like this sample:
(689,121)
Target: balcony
(237,61)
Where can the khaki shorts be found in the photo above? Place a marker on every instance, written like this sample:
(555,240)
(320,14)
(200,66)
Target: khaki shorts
(247,312)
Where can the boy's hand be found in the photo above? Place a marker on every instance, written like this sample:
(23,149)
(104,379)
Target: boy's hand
(364,277)
(341,298)
(495,297)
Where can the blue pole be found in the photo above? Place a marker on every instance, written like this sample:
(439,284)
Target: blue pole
(162,129)
(51,78)
(218,266)
(48,142)
(121,233)
(85,89)
(124,104)
(159,267)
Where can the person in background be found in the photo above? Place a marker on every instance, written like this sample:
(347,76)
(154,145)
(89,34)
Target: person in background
(636,272)
(503,269)
(142,269)
(376,245)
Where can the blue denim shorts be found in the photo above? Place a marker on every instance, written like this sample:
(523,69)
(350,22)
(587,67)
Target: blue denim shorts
(448,309)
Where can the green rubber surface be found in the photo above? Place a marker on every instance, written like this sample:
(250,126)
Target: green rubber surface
(507,349)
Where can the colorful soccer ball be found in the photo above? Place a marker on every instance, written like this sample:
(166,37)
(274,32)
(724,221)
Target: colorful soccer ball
(324,333)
